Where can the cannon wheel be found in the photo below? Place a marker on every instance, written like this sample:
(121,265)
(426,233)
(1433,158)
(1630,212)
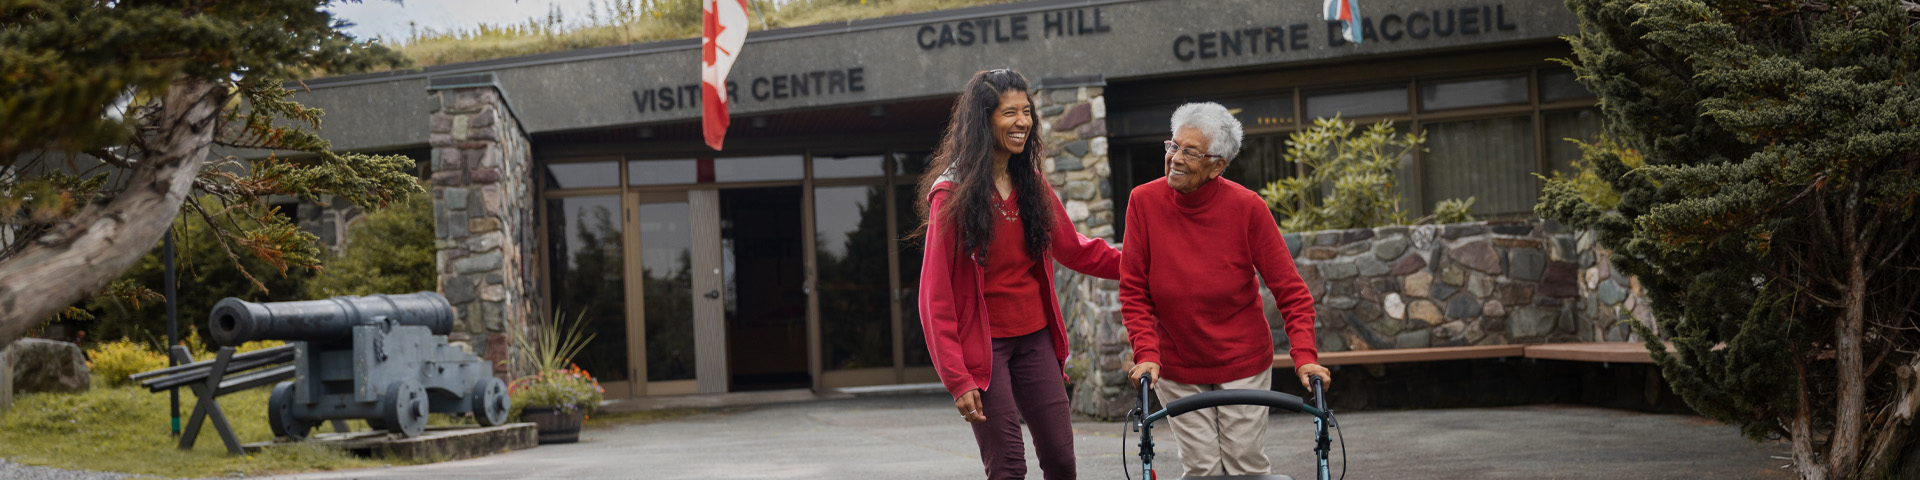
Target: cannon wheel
(280,414)
(489,401)
(405,408)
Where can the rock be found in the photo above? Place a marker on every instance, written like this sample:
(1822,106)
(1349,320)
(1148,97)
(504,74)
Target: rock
(1327,239)
(1365,333)
(1419,284)
(1321,253)
(1052,110)
(1563,249)
(1442,291)
(1463,230)
(1293,243)
(1077,210)
(1531,322)
(458,289)
(1075,116)
(1098,145)
(1504,242)
(1355,235)
(1452,274)
(1342,303)
(1493,308)
(1067,163)
(456,198)
(1450,329)
(1388,327)
(1339,270)
(1586,240)
(1559,281)
(1586,259)
(1396,307)
(1092,130)
(1425,311)
(1082,191)
(1390,248)
(1526,264)
(1371,267)
(1408,265)
(1099,104)
(1463,306)
(1356,248)
(48,366)
(478,263)
(1478,255)
(1513,228)
(1611,293)
(1413,339)
(1480,285)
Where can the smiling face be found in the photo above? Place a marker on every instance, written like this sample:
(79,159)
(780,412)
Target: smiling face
(1187,173)
(1012,122)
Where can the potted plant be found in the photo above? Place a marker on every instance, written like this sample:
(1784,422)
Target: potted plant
(556,395)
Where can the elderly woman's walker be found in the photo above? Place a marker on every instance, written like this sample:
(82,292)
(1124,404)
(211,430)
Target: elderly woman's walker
(1143,422)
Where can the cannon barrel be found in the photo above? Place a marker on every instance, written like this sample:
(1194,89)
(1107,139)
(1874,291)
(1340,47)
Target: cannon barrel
(234,321)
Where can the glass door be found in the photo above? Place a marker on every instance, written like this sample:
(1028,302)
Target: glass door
(665,266)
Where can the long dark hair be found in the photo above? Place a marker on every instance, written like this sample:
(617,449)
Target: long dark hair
(967,152)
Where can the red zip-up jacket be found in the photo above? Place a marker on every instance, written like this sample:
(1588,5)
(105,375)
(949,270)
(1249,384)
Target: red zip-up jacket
(953,303)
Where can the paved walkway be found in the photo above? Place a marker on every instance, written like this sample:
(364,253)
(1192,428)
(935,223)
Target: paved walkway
(919,437)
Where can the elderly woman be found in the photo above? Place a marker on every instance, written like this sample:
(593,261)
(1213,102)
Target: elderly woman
(1190,300)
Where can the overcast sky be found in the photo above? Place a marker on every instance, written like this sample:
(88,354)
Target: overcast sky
(386,18)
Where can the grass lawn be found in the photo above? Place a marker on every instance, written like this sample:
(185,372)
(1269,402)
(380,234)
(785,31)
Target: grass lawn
(126,429)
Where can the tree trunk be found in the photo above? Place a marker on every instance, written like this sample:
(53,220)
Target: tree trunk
(1800,432)
(80,257)
(1849,417)
(1892,448)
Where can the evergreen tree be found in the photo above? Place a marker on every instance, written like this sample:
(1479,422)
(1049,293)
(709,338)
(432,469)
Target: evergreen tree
(1771,223)
(111,110)
(389,251)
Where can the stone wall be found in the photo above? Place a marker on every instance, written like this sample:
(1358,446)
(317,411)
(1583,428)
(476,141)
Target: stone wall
(1073,122)
(482,210)
(1482,283)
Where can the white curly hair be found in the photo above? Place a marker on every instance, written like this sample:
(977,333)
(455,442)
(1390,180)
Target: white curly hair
(1213,120)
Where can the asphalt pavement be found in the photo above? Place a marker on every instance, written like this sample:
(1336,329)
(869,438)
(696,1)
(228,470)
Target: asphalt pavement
(920,437)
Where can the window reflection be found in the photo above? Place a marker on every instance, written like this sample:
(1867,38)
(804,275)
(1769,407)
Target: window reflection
(1473,93)
(583,175)
(1582,125)
(1491,160)
(856,320)
(1561,85)
(913,340)
(1358,104)
(849,166)
(752,169)
(586,278)
(666,267)
(663,172)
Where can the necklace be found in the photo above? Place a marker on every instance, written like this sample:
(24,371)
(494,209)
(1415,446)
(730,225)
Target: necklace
(1000,207)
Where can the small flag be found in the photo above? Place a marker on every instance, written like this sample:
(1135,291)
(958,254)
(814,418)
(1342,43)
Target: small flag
(1348,13)
(723,32)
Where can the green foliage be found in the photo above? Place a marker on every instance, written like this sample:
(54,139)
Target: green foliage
(125,430)
(208,272)
(567,389)
(1585,182)
(114,361)
(389,251)
(1769,217)
(555,381)
(83,89)
(552,345)
(1453,210)
(1348,179)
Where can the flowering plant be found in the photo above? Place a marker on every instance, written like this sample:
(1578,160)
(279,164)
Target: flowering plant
(554,381)
(566,390)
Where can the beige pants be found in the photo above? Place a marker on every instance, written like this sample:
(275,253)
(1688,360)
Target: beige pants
(1222,440)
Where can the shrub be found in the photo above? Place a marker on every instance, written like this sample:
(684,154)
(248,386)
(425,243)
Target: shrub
(388,251)
(114,361)
(1348,180)
(568,390)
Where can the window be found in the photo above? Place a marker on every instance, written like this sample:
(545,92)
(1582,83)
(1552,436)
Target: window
(1582,125)
(586,278)
(663,172)
(856,318)
(583,175)
(1473,93)
(1490,160)
(1561,85)
(751,169)
(1385,101)
(849,166)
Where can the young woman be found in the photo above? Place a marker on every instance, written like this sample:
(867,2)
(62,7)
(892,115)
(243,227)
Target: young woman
(993,230)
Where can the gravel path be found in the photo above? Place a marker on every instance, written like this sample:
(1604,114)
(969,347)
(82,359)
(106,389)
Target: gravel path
(15,471)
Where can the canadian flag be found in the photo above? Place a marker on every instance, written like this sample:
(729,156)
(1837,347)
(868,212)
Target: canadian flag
(725,30)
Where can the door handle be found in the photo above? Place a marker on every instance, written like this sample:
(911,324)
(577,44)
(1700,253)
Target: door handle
(713,294)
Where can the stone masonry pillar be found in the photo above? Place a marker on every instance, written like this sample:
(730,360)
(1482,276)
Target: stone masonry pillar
(482,210)
(1073,121)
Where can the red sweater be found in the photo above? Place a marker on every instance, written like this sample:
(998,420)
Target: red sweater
(1188,294)
(1013,280)
(953,301)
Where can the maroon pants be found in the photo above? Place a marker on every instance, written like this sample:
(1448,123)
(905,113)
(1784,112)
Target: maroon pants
(1026,384)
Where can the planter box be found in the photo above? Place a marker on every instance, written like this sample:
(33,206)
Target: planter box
(554,425)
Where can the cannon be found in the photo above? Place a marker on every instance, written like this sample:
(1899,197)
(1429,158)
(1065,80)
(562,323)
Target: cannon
(379,358)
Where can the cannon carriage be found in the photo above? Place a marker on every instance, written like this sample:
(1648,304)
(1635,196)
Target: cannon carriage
(379,358)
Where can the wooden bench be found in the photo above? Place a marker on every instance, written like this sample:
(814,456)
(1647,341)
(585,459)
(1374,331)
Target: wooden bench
(225,373)
(1605,352)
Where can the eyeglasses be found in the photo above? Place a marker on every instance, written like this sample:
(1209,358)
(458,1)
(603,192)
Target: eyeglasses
(1188,152)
